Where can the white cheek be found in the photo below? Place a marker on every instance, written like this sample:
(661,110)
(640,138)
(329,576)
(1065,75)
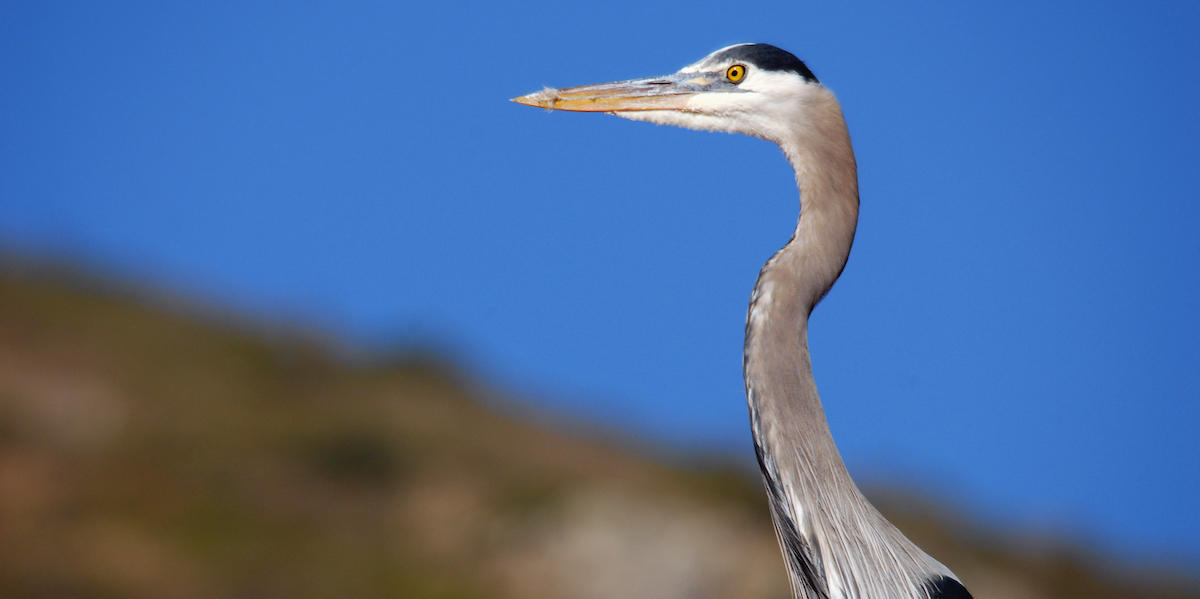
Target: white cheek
(769,105)
(711,103)
(687,120)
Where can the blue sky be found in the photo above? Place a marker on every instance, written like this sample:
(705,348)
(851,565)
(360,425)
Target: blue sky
(1016,330)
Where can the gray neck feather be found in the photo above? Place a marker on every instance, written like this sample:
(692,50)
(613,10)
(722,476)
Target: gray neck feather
(834,541)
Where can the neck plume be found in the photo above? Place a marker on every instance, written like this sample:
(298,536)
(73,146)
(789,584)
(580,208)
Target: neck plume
(835,543)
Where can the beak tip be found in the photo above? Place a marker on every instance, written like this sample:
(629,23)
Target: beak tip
(525,100)
(539,99)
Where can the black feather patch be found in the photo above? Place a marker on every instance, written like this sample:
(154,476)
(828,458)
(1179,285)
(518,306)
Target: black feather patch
(767,58)
(944,587)
(801,557)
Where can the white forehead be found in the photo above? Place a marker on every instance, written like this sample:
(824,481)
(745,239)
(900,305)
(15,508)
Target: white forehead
(708,63)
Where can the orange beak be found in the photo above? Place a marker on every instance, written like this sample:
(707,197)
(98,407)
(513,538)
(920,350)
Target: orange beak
(659,93)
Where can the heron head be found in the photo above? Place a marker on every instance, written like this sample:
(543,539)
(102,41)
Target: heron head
(755,89)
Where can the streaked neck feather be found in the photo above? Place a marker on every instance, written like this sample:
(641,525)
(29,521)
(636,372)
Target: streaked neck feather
(835,543)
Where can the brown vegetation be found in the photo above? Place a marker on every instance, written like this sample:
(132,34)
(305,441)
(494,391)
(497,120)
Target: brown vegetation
(145,452)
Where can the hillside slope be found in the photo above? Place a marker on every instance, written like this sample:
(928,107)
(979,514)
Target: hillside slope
(155,452)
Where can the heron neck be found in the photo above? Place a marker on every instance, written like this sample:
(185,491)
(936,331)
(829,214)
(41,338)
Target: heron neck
(787,418)
(798,275)
(835,543)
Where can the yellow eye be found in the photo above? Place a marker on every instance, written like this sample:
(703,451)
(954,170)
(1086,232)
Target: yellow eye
(736,73)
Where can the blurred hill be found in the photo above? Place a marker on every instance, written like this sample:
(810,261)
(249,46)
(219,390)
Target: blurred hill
(150,449)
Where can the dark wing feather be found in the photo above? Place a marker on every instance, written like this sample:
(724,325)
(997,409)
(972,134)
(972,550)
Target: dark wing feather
(801,557)
(944,587)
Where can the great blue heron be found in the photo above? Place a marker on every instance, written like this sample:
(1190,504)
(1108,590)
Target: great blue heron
(835,543)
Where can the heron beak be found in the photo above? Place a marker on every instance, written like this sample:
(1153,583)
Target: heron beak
(659,93)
